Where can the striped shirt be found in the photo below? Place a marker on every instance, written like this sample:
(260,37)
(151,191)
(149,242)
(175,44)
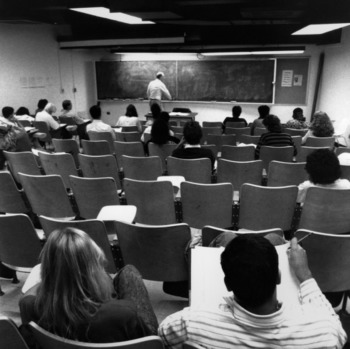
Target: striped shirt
(274,139)
(314,325)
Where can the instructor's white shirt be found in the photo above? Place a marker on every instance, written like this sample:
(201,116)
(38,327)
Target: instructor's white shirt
(155,89)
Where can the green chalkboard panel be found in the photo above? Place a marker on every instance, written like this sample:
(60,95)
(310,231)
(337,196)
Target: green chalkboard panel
(130,79)
(241,81)
(248,81)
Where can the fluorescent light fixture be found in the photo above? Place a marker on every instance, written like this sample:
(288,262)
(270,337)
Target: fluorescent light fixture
(114,16)
(163,56)
(317,29)
(224,53)
(253,53)
(121,42)
(284,52)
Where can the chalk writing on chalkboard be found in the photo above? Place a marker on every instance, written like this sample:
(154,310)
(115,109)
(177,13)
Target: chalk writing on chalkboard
(241,81)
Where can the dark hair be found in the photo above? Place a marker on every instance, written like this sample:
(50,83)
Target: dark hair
(7,112)
(42,103)
(95,112)
(272,123)
(66,104)
(263,111)
(22,111)
(160,132)
(296,113)
(192,132)
(323,166)
(322,125)
(250,265)
(155,110)
(236,111)
(164,115)
(131,110)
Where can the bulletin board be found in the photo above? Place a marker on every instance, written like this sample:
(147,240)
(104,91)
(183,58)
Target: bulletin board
(291,81)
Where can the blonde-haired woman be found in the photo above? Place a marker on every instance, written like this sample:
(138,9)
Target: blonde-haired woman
(77,299)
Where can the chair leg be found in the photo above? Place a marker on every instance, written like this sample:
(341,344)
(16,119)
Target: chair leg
(344,303)
(15,279)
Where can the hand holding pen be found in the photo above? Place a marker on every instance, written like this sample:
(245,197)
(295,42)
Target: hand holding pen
(298,260)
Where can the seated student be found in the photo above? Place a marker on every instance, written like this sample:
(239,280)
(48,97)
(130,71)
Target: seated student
(253,317)
(22,113)
(162,115)
(156,111)
(7,142)
(24,141)
(97,125)
(189,147)
(79,121)
(130,118)
(56,130)
(78,300)
(274,137)
(236,112)
(298,121)
(263,111)
(324,171)
(161,134)
(321,126)
(41,105)
(8,117)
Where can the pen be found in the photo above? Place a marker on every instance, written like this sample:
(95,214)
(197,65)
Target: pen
(304,237)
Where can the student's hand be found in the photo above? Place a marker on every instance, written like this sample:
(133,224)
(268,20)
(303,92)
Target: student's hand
(298,261)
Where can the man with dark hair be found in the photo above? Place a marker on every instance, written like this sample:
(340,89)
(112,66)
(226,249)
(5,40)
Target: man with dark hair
(156,88)
(97,125)
(253,317)
(8,117)
(236,113)
(324,171)
(274,137)
(41,105)
(263,111)
(189,147)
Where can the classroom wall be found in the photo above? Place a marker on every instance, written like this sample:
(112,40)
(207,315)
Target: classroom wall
(33,67)
(335,84)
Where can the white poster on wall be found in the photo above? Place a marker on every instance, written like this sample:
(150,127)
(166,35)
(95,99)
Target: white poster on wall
(287,78)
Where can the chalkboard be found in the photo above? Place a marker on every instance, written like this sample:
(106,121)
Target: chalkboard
(248,81)
(129,79)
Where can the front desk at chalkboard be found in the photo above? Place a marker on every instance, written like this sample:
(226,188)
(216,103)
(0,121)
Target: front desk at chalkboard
(177,116)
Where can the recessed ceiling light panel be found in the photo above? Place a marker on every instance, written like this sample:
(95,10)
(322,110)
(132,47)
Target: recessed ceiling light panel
(317,29)
(104,12)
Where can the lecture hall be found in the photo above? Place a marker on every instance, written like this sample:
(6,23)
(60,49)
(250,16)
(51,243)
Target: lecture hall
(174,174)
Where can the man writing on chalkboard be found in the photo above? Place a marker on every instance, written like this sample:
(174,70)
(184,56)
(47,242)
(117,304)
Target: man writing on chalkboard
(155,90)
